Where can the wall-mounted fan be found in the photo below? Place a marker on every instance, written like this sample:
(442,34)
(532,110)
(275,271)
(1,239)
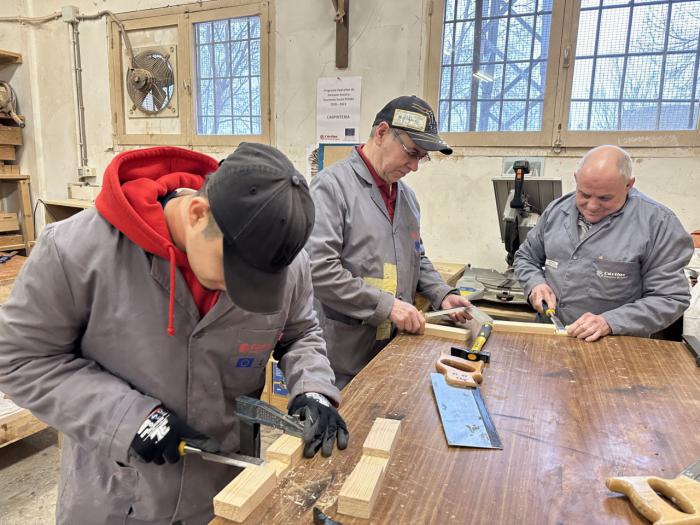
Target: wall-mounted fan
(150,81)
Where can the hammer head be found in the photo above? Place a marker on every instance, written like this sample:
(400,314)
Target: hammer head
(521,165)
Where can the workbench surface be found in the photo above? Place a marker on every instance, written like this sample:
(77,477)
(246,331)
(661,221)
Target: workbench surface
(570,414)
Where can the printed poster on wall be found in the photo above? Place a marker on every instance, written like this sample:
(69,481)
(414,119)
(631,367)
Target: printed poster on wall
(338,109)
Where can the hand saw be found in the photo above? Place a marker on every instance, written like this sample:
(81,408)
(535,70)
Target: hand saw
(465,420)
(643,492)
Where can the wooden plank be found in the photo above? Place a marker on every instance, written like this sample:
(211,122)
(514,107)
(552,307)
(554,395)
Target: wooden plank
(18,425)
(461,335)
(519,327)
(8,222)
(7,152)
(450,273)
(11,135)
(11,241)
(382,438)
(10,172)
(240,497)
(27,212)
(570,415)
(359,492)
(342,36)
(287,449)
(10,57)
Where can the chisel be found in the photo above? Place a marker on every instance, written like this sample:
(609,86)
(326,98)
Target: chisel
(552,314)
(236,460)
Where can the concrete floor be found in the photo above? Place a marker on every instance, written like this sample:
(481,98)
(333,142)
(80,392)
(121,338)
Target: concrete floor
(29,478)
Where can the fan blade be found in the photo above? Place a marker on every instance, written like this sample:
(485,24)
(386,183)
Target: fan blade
(159,96)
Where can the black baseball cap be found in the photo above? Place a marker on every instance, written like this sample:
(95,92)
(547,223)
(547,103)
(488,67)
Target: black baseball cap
(262,205)
(414,116)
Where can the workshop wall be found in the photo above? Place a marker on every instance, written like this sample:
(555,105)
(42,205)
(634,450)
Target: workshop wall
(387,48)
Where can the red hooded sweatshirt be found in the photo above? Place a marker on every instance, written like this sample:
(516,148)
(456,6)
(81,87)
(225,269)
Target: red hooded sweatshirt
(133,182)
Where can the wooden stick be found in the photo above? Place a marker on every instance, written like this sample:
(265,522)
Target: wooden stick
(447,332)
(286,449)
(525,328)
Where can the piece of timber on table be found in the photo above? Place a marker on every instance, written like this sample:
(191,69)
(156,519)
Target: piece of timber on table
(452,333)
(450,273)
(286,449)
(381,438)
(359,493)
(239,498)
(570,414)
(518,327)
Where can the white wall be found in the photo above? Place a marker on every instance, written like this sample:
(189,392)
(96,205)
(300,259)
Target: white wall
(387,48)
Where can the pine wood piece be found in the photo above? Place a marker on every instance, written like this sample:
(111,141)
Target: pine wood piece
(7,241)
(525,328)
(18,425)
(281,468)
(359,492)
(10,57)
(7,152)
(382,438)
(27,212)
(239,498)
(9,169)
(10,135)
(8,222)
(287,449)
(447,332)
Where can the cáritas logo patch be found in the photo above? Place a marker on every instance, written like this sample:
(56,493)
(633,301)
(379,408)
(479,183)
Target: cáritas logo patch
(611,275)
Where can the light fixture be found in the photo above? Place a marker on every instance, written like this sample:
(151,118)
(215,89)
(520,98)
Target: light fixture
(483,76)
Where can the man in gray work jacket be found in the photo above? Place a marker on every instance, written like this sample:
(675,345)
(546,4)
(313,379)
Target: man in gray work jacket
(134,326)
(367,256)
(609,258)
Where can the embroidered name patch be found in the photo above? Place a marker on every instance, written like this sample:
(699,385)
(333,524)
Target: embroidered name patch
(611,275)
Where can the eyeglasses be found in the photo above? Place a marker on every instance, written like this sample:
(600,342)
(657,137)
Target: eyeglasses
(420,157)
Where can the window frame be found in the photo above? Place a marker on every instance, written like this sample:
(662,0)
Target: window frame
(184,17)
(559,83)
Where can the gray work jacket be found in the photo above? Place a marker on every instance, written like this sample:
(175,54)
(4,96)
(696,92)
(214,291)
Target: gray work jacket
(628,268)
(360,262)
(83,345)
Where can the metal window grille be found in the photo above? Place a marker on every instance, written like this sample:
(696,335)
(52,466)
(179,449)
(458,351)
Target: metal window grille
(227,54)
(636,66)
(494,65)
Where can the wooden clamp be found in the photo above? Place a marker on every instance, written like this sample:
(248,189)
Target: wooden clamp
(643,492)
(460,372)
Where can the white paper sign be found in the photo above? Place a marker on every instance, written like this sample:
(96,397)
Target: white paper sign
(338,109)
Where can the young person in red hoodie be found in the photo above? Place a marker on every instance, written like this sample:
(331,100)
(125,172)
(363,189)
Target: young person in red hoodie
(135,325)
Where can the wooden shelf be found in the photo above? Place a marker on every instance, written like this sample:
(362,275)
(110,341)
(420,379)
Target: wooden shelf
(9,57)
(13,176)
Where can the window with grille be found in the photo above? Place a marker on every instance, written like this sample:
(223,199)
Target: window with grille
(494,64)
(227,54)
(636,66)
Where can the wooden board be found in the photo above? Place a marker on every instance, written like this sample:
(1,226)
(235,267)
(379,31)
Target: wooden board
(450,273)
(287,449)
(359,492)
(9,169)
(10,135)
(381,438)
(459,335)
(18,425)
(7,152)
(240,497)
(570,414)
(519,327)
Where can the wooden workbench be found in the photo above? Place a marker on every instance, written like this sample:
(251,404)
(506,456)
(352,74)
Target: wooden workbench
(15,423)
(569,413)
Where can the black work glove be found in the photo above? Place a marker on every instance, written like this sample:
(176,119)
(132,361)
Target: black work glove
(158,439)
(322,424)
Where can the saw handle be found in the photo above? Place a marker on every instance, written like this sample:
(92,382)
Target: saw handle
(643,492)
(460,372)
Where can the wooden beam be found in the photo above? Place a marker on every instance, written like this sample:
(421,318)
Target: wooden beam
(18,425)
(359,492)
(11,135)
(342,34)
(286,449)
(7,152)
(381,438)
(452,333)
(240,497)
(525,328)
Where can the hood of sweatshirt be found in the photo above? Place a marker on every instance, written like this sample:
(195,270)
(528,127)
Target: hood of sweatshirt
(132,185)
